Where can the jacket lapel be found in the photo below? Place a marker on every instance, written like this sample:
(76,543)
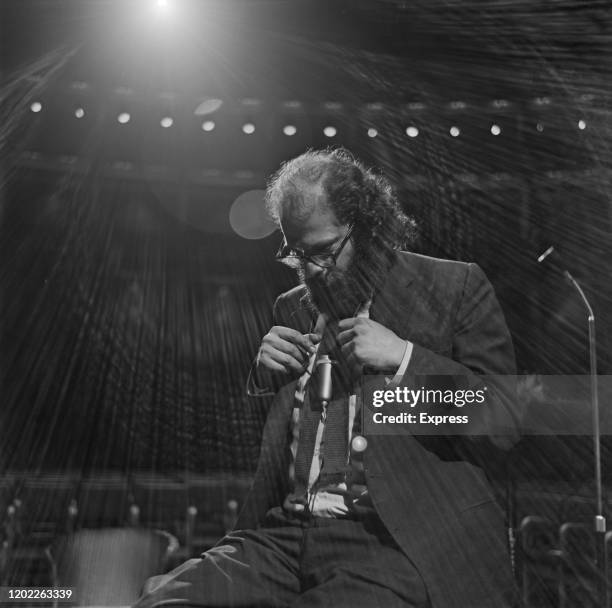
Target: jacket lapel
(392,306)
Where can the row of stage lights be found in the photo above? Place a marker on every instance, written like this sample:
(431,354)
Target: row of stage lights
(289,130)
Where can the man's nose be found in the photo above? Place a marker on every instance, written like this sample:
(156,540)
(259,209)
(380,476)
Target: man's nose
(312,270)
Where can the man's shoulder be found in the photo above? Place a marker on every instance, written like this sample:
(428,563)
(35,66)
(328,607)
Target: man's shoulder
(424,267)
(420,258)
(417,275)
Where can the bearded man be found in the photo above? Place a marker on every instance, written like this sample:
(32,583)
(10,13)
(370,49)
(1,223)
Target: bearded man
(410,521)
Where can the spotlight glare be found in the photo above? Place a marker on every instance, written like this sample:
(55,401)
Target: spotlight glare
(495,130)
(581,125)
(248,128)
(123,118)
(248,217)
(162,8)
(208,125)
(372,132)
(36,107)
(454,131)
(166,122)
(289,130)
(79,113)
(412,131)
(208,106)
(329,131)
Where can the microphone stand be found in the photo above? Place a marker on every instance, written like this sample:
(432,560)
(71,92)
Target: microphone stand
(599,520)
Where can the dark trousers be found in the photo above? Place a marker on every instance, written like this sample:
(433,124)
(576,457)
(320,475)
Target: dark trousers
(296,562)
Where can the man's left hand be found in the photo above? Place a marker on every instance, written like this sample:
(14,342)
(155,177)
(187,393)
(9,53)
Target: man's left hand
(366,343)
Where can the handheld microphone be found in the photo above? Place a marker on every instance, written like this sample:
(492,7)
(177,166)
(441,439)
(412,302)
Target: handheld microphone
(324,379)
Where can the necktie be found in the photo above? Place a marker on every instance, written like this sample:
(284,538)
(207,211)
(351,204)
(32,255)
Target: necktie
(335,443)
(309,422)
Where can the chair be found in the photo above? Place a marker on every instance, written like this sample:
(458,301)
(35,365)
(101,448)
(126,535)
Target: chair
(540,560)
(46,506)
(42,508)
(103,502)
(162,504)
(108,567)
(214,503)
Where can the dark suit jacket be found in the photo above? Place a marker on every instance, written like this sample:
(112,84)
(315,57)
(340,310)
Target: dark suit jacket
(430,494)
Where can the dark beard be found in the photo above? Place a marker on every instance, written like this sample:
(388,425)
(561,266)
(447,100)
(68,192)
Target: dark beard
(340,294)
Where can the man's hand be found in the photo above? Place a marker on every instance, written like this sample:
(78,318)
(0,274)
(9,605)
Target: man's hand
(285,350)
(366,343)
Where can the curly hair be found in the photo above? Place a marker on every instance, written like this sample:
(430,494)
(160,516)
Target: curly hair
(354,192)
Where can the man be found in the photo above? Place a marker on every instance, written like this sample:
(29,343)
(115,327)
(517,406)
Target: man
(410,521)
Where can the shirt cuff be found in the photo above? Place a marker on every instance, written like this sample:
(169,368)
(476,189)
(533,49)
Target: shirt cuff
(403,366)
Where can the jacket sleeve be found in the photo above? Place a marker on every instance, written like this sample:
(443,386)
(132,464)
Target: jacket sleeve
(253,388)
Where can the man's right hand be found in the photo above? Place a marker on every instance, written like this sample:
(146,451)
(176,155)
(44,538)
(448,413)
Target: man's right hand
(285,350)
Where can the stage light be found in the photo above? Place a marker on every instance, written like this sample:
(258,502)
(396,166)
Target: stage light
(248,128)
(539,127)
(166,122)
(289,130)
(412,132)
(79,113)
(495,129)
(208,125)
(329,131)
(454,131)
(372,132)
(163,9)
(500,103)
(123,118)
(36,107)
(208,106)
(581,125)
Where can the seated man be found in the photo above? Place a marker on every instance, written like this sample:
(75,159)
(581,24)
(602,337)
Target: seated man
(399,520)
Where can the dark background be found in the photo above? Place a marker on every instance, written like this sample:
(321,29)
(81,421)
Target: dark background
(130,310)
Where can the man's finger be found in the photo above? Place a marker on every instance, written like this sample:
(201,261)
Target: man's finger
(347,323)
(288,361)
(277,343)
(344,337)
(347,350)
(273,365)
(314,338)
(295,337)
(278,361)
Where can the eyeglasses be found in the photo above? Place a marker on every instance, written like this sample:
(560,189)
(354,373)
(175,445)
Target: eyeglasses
(296,258)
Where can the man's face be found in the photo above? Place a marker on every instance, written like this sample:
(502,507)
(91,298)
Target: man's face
(337,291)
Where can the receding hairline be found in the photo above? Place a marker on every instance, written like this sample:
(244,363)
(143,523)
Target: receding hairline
(302,197)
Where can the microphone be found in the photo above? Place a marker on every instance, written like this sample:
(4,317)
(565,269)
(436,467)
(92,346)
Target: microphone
(324,379)
(544,255)
(600,521)
(556,261)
